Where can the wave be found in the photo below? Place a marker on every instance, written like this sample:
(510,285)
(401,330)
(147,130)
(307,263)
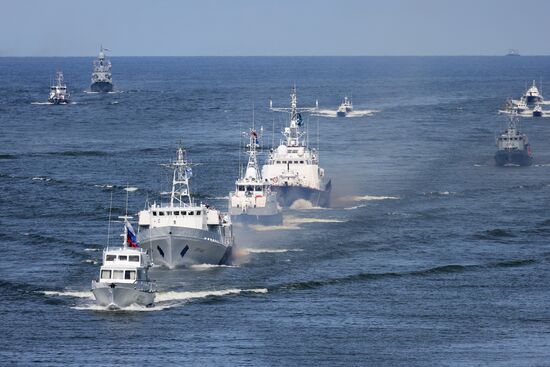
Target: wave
(367,198)
(212,266)
(79,153)
(494,233)
(69,293)
(355,207)
(270,250)
(131,189)
(190,295)
(42,103)
(438,193)
(293,223)
(444,269)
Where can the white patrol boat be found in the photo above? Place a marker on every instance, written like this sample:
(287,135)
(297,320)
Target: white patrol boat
(345,108)
(253,201)
(123,276)
(58,92)
(532,95)
(182,232)
(293,168)
(513,146)
(102,80)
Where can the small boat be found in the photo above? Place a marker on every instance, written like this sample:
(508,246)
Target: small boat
(58,92)
(123,276)
(512,52)
(519,106)
(537,111)
(513,146)
(532,95)
(345,107)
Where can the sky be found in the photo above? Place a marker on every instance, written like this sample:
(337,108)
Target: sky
(274,28)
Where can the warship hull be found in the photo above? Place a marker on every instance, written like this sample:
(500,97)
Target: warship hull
(287,195)
(513,157)
(174,247)
(117,296)
(101,87)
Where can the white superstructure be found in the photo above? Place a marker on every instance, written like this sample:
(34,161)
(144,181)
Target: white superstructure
(293,168)
(58,92)
(253,200)
(124,276)
(183,232)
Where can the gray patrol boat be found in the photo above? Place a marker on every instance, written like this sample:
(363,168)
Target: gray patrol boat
(513,146)
(102,80)
(182,232)
(123,276)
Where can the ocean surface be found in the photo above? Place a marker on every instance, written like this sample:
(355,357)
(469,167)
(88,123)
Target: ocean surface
(429,256)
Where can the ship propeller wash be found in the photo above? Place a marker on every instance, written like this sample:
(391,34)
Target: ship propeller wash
(102,80)
(58,92)
(293,167)
(124,274)
(253,201)
(182,232)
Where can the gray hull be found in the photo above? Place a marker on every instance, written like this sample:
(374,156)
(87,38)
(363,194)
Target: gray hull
(122,297)
(178,247)
(101,87)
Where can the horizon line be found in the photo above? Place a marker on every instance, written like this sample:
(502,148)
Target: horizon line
(230,56)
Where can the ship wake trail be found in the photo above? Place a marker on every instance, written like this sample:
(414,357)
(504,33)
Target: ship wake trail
(355,113)
(293,223)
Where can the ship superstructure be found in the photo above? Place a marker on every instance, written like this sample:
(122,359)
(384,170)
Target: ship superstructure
(58,91)
(293,167)
(183,232)
(513,146)
(254,201)
(102,80)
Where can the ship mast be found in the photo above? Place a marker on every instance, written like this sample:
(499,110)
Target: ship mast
(180,193)
(252,170)
(293,133)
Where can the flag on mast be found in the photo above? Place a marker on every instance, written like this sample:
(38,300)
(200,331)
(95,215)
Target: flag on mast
(131,237)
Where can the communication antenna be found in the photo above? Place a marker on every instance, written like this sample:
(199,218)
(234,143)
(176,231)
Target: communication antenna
(109,225)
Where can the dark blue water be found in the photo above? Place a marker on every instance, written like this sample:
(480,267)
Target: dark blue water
(431,255)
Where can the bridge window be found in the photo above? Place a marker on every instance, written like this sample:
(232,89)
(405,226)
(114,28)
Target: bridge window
(130,275)
(249,188)
(122,258)
(198,212)
(189,213)
(105,274)
(110,258)
(176,213)
(161,214)
(183,213)
(134,257)
(154,214)
(241,187)
(118,274)
(278,162)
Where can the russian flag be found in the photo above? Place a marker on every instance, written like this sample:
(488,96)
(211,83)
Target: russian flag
(131,237)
